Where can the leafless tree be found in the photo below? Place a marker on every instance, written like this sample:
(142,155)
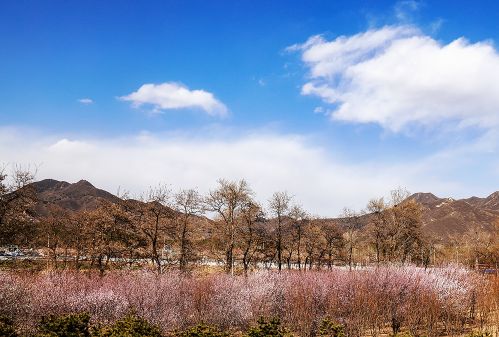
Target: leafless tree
(299,218)
(109,234)
(17,198)
(155,217)
(226,201)
(279,205)
(189,205)
(78,236)
(353,224)
(251,217)
(377,225)
(333,240)
(314,245)
(481,246)
(54,230)
(395,226)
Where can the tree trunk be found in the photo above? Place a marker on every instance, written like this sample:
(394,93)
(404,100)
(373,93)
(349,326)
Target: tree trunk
(183,248)
(279,243)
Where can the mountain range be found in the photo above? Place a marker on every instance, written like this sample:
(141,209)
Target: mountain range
(447,217)
(442,217)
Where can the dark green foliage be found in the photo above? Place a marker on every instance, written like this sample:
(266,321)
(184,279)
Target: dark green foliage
(129,326)
(331,329)
(7,327)
(73,325)
(200,331)
(268,328)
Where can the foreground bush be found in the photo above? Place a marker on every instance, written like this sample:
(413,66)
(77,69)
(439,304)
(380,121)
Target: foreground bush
(74,325)
(200,330)
(78,325)
(369,301)
(272,328)
(7,327)
(129,326)
(331,329)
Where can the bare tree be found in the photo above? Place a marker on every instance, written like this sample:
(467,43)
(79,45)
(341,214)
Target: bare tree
(189,204)
(299,219)
(155,218)
(17,197)
(409,238)
(78,236)
(377,225)
(226,201)
(333,240)
(481,245)
(314,245)
(251,217)
(279,205)
(395,226)
(352,223)
(54,230)
(106,230)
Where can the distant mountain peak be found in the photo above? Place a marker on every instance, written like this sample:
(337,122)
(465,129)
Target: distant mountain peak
(49,184)
(494,195)
(81,195)
(424,198)
(492,201)
(84,182)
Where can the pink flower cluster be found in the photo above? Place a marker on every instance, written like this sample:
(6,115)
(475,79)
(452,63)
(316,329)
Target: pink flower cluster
(364,301)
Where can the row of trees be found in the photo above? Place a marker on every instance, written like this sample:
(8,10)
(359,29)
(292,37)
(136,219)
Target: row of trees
(225,226)
(17,198)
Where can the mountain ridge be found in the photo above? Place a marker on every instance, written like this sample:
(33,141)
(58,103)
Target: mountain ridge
(442,217)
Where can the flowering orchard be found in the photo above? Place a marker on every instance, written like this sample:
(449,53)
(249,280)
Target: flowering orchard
(390,299)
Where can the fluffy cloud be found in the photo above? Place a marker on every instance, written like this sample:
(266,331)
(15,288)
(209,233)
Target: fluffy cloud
(85,101)
(324,183)
(171,95)
(398,77)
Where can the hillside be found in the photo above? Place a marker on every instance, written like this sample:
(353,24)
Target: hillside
(445,217)
(73,197)
(442,217)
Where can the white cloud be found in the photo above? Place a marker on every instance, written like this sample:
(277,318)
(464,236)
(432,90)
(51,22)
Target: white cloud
(85,101)
(398,77)
(172,95)
(324,183)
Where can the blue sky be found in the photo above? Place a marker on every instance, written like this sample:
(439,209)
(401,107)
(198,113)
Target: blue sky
(335,101)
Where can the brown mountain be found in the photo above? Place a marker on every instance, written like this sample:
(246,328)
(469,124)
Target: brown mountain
(73,197)
(447,217)
(81,196)
(442,217)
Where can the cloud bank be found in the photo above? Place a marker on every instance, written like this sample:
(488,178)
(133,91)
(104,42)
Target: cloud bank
(172,95)
(322,182)
(398,77)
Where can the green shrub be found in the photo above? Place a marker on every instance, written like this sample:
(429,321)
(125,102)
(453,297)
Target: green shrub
(200,330)
(7,327)
(73,325)
(268,328)
(129,326)
(331,329)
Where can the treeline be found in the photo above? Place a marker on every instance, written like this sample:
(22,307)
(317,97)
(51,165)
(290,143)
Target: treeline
(228,226)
